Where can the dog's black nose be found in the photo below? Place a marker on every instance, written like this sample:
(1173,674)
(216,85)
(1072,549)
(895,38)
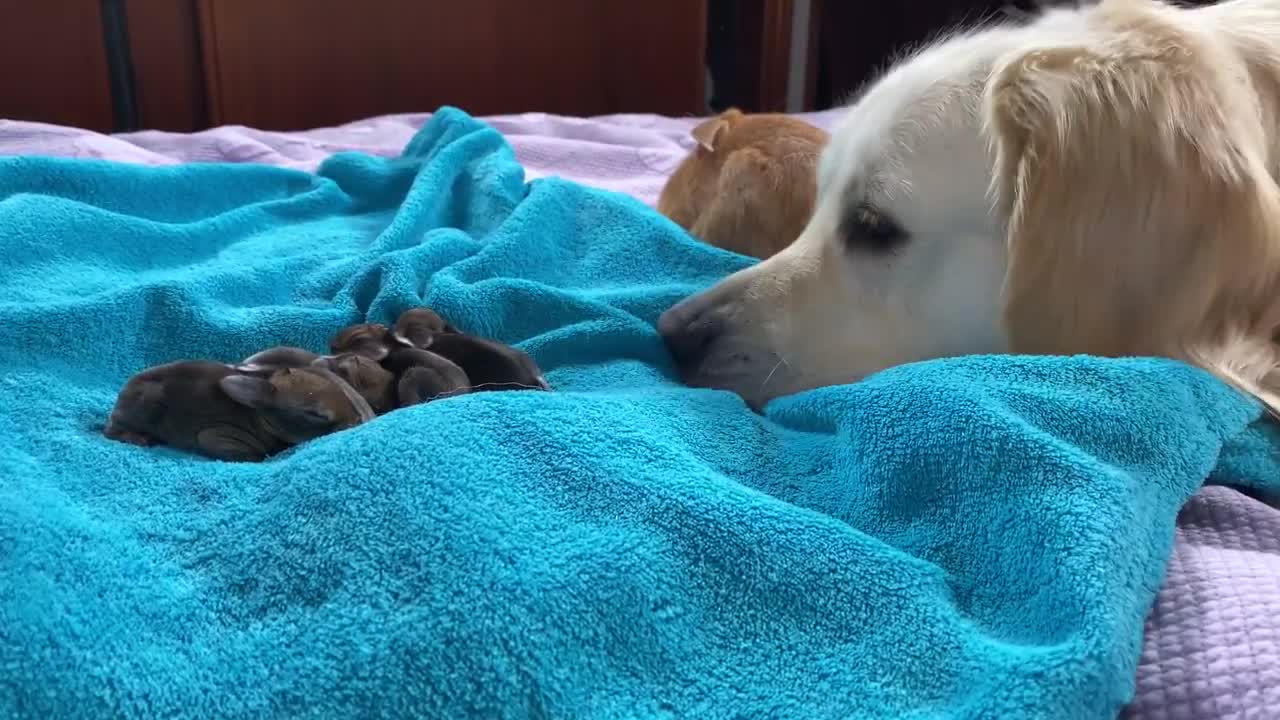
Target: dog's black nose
(689,335)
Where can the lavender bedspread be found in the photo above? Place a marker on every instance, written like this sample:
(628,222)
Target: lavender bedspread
(1212,647)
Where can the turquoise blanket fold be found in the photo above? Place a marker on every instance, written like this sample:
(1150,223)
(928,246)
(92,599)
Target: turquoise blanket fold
(973,538)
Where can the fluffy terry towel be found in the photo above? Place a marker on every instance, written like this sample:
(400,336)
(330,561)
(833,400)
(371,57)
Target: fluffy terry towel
(972,538)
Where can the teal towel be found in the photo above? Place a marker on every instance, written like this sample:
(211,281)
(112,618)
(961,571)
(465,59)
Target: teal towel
(978,537)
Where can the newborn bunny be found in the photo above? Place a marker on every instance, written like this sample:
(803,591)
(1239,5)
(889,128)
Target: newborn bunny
(487,365)
(372,340)
(212,409)
(373,382)
(750,183)
(490,365)
(406,376)
(277,358)
(422,375)
(417,326)
(414,328)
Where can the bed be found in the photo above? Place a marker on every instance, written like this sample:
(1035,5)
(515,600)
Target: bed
(1212,640)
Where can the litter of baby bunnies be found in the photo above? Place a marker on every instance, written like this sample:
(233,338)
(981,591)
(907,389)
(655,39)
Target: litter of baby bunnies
(285,396)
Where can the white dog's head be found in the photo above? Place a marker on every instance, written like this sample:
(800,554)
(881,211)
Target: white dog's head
(1094,182)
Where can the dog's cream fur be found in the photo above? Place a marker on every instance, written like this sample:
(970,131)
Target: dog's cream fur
(1099,180)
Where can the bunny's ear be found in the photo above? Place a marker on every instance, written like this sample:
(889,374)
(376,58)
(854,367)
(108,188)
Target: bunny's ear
(252,392)
(368,339)
(371,349)
(711,132)
(374,348)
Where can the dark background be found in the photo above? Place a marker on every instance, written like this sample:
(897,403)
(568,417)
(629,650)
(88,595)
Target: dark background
(119,65)
(849,42)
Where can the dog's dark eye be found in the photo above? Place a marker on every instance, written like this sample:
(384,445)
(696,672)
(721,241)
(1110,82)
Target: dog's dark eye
(866,228)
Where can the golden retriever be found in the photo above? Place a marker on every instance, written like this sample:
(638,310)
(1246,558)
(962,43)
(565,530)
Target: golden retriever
(1099,179)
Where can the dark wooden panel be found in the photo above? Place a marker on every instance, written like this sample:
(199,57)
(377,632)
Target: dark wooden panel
(267,64)
(168,79)
(53,65)
(813,56)
(775,54)
(751,53)
(858,41)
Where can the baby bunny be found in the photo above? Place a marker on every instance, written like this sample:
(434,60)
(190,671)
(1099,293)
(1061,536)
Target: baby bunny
(372,381)
(213,409)
(277,358)
(485,364)
(422,375)
(490,365)
(372,340)
(416,327)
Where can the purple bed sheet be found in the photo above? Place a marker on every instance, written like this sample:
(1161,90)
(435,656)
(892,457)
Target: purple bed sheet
(1212,647)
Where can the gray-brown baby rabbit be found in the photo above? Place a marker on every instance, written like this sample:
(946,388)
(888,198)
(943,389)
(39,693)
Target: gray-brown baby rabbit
(422,375)
(406,376)
(372,340)
(277,358)
(416,327)
(490,365)
(376,384)
(486,365)
(213,409)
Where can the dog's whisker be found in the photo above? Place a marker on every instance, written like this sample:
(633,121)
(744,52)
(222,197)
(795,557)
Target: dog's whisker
(782,360)
(769,377)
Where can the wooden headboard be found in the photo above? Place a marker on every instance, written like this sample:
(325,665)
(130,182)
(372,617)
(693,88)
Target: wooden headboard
(291,64)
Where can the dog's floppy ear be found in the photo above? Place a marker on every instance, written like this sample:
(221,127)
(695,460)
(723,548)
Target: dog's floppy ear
(1142,219)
